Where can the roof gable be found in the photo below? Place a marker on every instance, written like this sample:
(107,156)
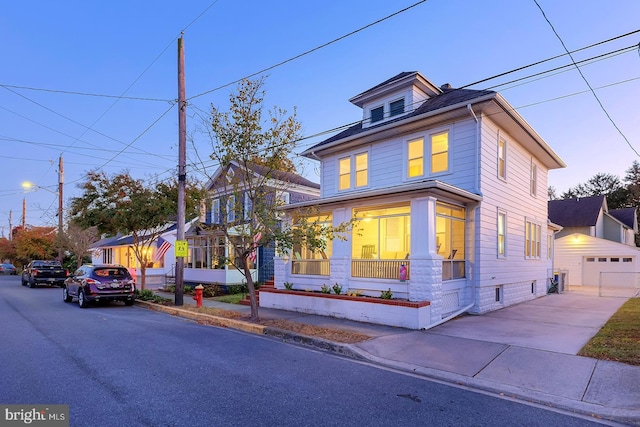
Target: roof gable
(576,212)
(627,216)
(219,178)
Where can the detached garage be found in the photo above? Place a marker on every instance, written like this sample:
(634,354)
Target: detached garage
(585,257)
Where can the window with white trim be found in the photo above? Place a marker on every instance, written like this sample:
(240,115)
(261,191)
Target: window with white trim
(231,208)
(532,240)
(502,234)
(534,178)
(377,114)
(440,152)
(502,159)
(396,107)
(215,211)
(415,154)
(353,171)
(248,206)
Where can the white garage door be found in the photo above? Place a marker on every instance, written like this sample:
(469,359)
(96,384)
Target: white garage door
(593,266)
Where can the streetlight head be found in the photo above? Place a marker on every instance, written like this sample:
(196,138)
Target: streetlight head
(28,185)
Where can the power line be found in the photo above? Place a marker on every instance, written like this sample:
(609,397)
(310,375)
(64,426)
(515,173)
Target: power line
(585,79)
(310,50)
(98,95)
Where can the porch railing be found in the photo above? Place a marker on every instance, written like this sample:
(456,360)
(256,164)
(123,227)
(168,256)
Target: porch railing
(314,267)
(378,269)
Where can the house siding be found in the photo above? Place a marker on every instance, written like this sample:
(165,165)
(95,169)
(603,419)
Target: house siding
(513,274)
(571,250)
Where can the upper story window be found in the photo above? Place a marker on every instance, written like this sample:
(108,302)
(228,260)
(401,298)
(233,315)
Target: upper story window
(502,158)
(248,206)
(377,114)
(344,173)
(440,152)
(437,151)
(396,107)
(415,151)
(231,208)
(353,171)
(534,178)
(215,211)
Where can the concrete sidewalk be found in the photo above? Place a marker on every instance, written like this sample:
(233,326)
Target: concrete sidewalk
(527,351)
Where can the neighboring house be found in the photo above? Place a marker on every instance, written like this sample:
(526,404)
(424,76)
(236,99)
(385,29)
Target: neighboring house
(160,259)
(449,188)
(230,206)
(593,239)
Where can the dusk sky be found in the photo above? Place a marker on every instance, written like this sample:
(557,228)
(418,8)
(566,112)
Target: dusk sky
(99,51)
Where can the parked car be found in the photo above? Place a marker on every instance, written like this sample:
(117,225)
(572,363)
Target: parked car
(7,268)
(95,283)
(48,272)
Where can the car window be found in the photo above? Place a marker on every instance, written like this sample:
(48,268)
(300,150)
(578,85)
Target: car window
(111,273)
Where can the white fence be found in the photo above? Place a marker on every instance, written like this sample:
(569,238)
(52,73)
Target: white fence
(620,284)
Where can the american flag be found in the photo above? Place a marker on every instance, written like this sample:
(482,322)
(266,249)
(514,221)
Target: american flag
(162,246)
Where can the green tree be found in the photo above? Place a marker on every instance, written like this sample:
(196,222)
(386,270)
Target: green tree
(77,240)
(122,204)
(601,183)
(252,149)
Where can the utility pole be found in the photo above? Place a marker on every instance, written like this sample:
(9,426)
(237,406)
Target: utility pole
(182,171)
(60,219)
(10,225)
(24,213)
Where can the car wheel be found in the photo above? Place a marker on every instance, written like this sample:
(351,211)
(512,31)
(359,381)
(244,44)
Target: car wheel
(31,283)
(65,295)
(82,302)
(128,302)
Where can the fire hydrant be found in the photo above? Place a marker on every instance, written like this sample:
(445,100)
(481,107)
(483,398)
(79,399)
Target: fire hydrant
(198,295)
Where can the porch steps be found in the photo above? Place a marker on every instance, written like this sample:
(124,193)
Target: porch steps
(247,299)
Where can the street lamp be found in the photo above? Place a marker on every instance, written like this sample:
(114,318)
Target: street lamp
(29,186)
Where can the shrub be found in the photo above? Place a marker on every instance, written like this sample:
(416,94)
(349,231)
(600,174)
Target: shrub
(236,289)
(354,293)
(325,289)
(386,294)
(337,289)
(188,290)
(145,294)
(288,286)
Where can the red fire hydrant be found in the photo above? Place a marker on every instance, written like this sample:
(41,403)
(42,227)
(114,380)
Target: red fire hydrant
(198,295)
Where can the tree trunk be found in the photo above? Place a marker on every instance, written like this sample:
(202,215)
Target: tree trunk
(143,275)
(252,291)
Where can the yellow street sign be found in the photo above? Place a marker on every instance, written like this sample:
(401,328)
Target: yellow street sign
(181,248)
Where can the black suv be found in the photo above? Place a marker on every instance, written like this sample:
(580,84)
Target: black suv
(97,283)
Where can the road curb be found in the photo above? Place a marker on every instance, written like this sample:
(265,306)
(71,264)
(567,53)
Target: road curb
(206,319)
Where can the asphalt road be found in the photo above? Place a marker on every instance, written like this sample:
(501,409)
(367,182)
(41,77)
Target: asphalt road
(127,366)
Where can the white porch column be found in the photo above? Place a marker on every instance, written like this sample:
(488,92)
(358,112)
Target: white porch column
(425,283)
(340,260)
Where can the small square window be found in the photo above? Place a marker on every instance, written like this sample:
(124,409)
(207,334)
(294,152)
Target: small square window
(627,260)
(396,107)
(615,259)
(377,114)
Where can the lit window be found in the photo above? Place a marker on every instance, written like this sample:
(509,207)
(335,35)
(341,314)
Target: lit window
(450,238)
(415,156)
(345,173)
(534,178)
(377,114)
(362,165)
(440,152)
(396,107)
(502,233)
(532,240)
(502,159)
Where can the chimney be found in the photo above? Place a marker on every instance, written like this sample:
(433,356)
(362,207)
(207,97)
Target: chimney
(446,86)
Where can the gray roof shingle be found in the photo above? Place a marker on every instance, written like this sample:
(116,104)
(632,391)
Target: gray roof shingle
(576,212)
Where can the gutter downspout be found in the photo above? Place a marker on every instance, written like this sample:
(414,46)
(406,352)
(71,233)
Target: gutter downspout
(475,118)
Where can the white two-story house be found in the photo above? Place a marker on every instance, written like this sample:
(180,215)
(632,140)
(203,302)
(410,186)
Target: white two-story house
(449,190)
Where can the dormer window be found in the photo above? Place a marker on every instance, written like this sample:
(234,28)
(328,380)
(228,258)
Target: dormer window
(396,107)
(377,114)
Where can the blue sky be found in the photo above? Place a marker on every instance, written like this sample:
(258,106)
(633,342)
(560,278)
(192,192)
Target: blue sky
(129,48)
